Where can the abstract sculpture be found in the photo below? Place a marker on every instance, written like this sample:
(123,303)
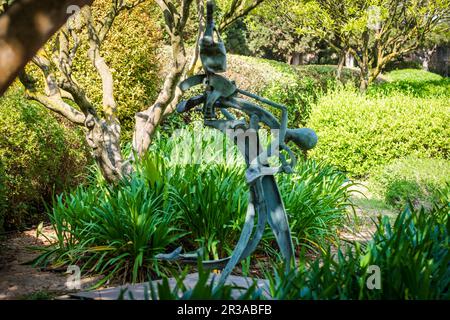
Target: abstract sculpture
(265,200)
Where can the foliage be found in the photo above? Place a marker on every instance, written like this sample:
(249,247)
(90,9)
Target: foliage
(130,51)
(212,201)
(412,255)
(358,133)
(417,83)
(374,32)
(412,75)
(416,180)
(270,37)
(316,198)
(115,230)
(235,39)
(296,87)
(38,156)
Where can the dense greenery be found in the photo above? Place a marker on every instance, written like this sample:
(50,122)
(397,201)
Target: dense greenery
(358,133)
(420,181)
(105,229)
(413,82)
(39,156)
(411,255)
(115,231)
(296,87)
(389,129)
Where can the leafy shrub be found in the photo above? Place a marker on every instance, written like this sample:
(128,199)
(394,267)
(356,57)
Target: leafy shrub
(402,64)
(412,255)
(417,83)
(212,203)
(412,75)
(297,96)
(38,156)
(417,180)
(316,197)
(358,133)
(296,87)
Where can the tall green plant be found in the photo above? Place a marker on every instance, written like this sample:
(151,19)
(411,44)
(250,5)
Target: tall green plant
(114,231)
(412,255)
(212,202)
(317,197)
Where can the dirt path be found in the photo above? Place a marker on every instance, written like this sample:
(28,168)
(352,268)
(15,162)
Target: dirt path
(19,281)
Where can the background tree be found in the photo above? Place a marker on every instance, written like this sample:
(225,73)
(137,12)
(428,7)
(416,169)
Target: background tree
(374,32)
(274,38)
(439,36)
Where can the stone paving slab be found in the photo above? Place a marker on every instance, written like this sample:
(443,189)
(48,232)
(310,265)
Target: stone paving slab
(138,290)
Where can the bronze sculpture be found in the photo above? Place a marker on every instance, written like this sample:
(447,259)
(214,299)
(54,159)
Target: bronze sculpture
(265,199)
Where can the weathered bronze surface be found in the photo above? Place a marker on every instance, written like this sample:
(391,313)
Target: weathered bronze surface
(265,200)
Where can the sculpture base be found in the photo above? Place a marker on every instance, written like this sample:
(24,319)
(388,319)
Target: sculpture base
(137,291)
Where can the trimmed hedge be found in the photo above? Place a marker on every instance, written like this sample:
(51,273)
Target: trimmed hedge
(38,156)
(296,87)
(417,83)
(358,133)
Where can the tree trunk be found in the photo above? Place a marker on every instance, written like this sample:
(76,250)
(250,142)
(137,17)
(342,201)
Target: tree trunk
(104,139)
(364,66)
(427,54)
(296,58)
(148,120)
(364,83)
(349,60)
(340,66)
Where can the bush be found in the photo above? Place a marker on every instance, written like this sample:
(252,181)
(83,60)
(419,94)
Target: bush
(412,75)
(296,87)
(212,202)
(38,156)
(358,133)
(416,180)
(417,83)
(412,256)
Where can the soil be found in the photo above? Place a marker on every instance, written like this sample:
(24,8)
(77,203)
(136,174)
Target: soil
(21,281)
